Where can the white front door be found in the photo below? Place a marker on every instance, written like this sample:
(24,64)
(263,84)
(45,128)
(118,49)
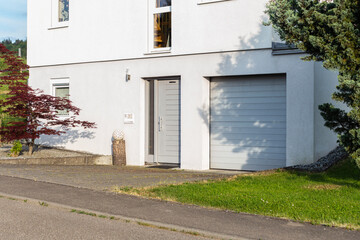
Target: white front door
(167,118)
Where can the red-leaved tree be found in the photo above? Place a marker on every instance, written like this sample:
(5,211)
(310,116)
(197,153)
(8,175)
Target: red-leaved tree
(37,113)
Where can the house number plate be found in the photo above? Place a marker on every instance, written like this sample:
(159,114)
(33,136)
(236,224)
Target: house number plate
(129,118)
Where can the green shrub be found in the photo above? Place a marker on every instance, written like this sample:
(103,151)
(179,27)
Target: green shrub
(16,149)
(304,23)
(356,156)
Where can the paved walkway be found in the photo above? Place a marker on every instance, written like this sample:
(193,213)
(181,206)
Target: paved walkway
(107,177)
(224,224)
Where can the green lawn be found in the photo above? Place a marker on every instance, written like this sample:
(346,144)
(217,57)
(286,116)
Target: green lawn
(331,198)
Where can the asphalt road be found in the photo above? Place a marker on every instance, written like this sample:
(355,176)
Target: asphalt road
(30,220)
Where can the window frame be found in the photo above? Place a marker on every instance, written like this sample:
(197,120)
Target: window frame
(55,16)
(59,83)
(200,2)
(152,9)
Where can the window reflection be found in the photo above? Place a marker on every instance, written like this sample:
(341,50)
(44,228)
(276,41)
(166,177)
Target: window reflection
(163,3)
(162,30)
(62,92)
(63,10)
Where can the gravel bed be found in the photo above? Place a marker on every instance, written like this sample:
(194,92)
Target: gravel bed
(40,152)
(324,163)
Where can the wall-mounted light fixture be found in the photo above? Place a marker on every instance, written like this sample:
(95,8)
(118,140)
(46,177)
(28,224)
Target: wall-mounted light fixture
(127,76)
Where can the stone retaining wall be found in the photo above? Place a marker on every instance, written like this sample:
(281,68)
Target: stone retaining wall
(78,160)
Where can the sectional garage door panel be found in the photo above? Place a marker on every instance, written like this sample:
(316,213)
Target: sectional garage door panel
(248,122)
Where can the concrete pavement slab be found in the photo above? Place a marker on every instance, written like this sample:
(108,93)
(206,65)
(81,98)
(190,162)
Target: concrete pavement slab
(106,177)
(217,221)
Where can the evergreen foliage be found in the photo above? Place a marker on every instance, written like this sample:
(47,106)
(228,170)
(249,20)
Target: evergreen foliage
(12,46)
(15,45)
(329,31)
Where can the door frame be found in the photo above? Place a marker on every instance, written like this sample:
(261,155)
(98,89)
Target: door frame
(152,158)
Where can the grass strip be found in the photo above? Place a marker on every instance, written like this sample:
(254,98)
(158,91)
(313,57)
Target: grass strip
(331,198)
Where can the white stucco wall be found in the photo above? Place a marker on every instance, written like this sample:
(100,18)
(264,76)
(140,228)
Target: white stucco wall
(225,38)
(325,83)
(115,29)
(102,93)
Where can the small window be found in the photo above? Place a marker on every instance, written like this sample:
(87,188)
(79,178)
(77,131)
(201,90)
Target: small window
(160,25)
(62,91)
(60,14)
(60,87)
(63,10)
(162,30)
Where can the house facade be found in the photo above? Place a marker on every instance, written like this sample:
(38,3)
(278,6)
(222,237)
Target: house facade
(199,83)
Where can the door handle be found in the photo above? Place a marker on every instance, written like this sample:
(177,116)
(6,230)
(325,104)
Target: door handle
(160,124)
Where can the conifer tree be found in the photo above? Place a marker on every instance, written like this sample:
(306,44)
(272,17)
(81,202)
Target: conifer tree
(329,32)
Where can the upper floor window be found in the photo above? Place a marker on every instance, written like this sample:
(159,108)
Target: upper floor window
(163,3)
(160,22)
(63,10)
(60,13)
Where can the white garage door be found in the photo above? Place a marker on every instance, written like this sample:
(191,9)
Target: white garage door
(248,122)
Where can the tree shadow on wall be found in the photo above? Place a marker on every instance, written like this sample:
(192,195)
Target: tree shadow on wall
(247,122)
(71,136)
